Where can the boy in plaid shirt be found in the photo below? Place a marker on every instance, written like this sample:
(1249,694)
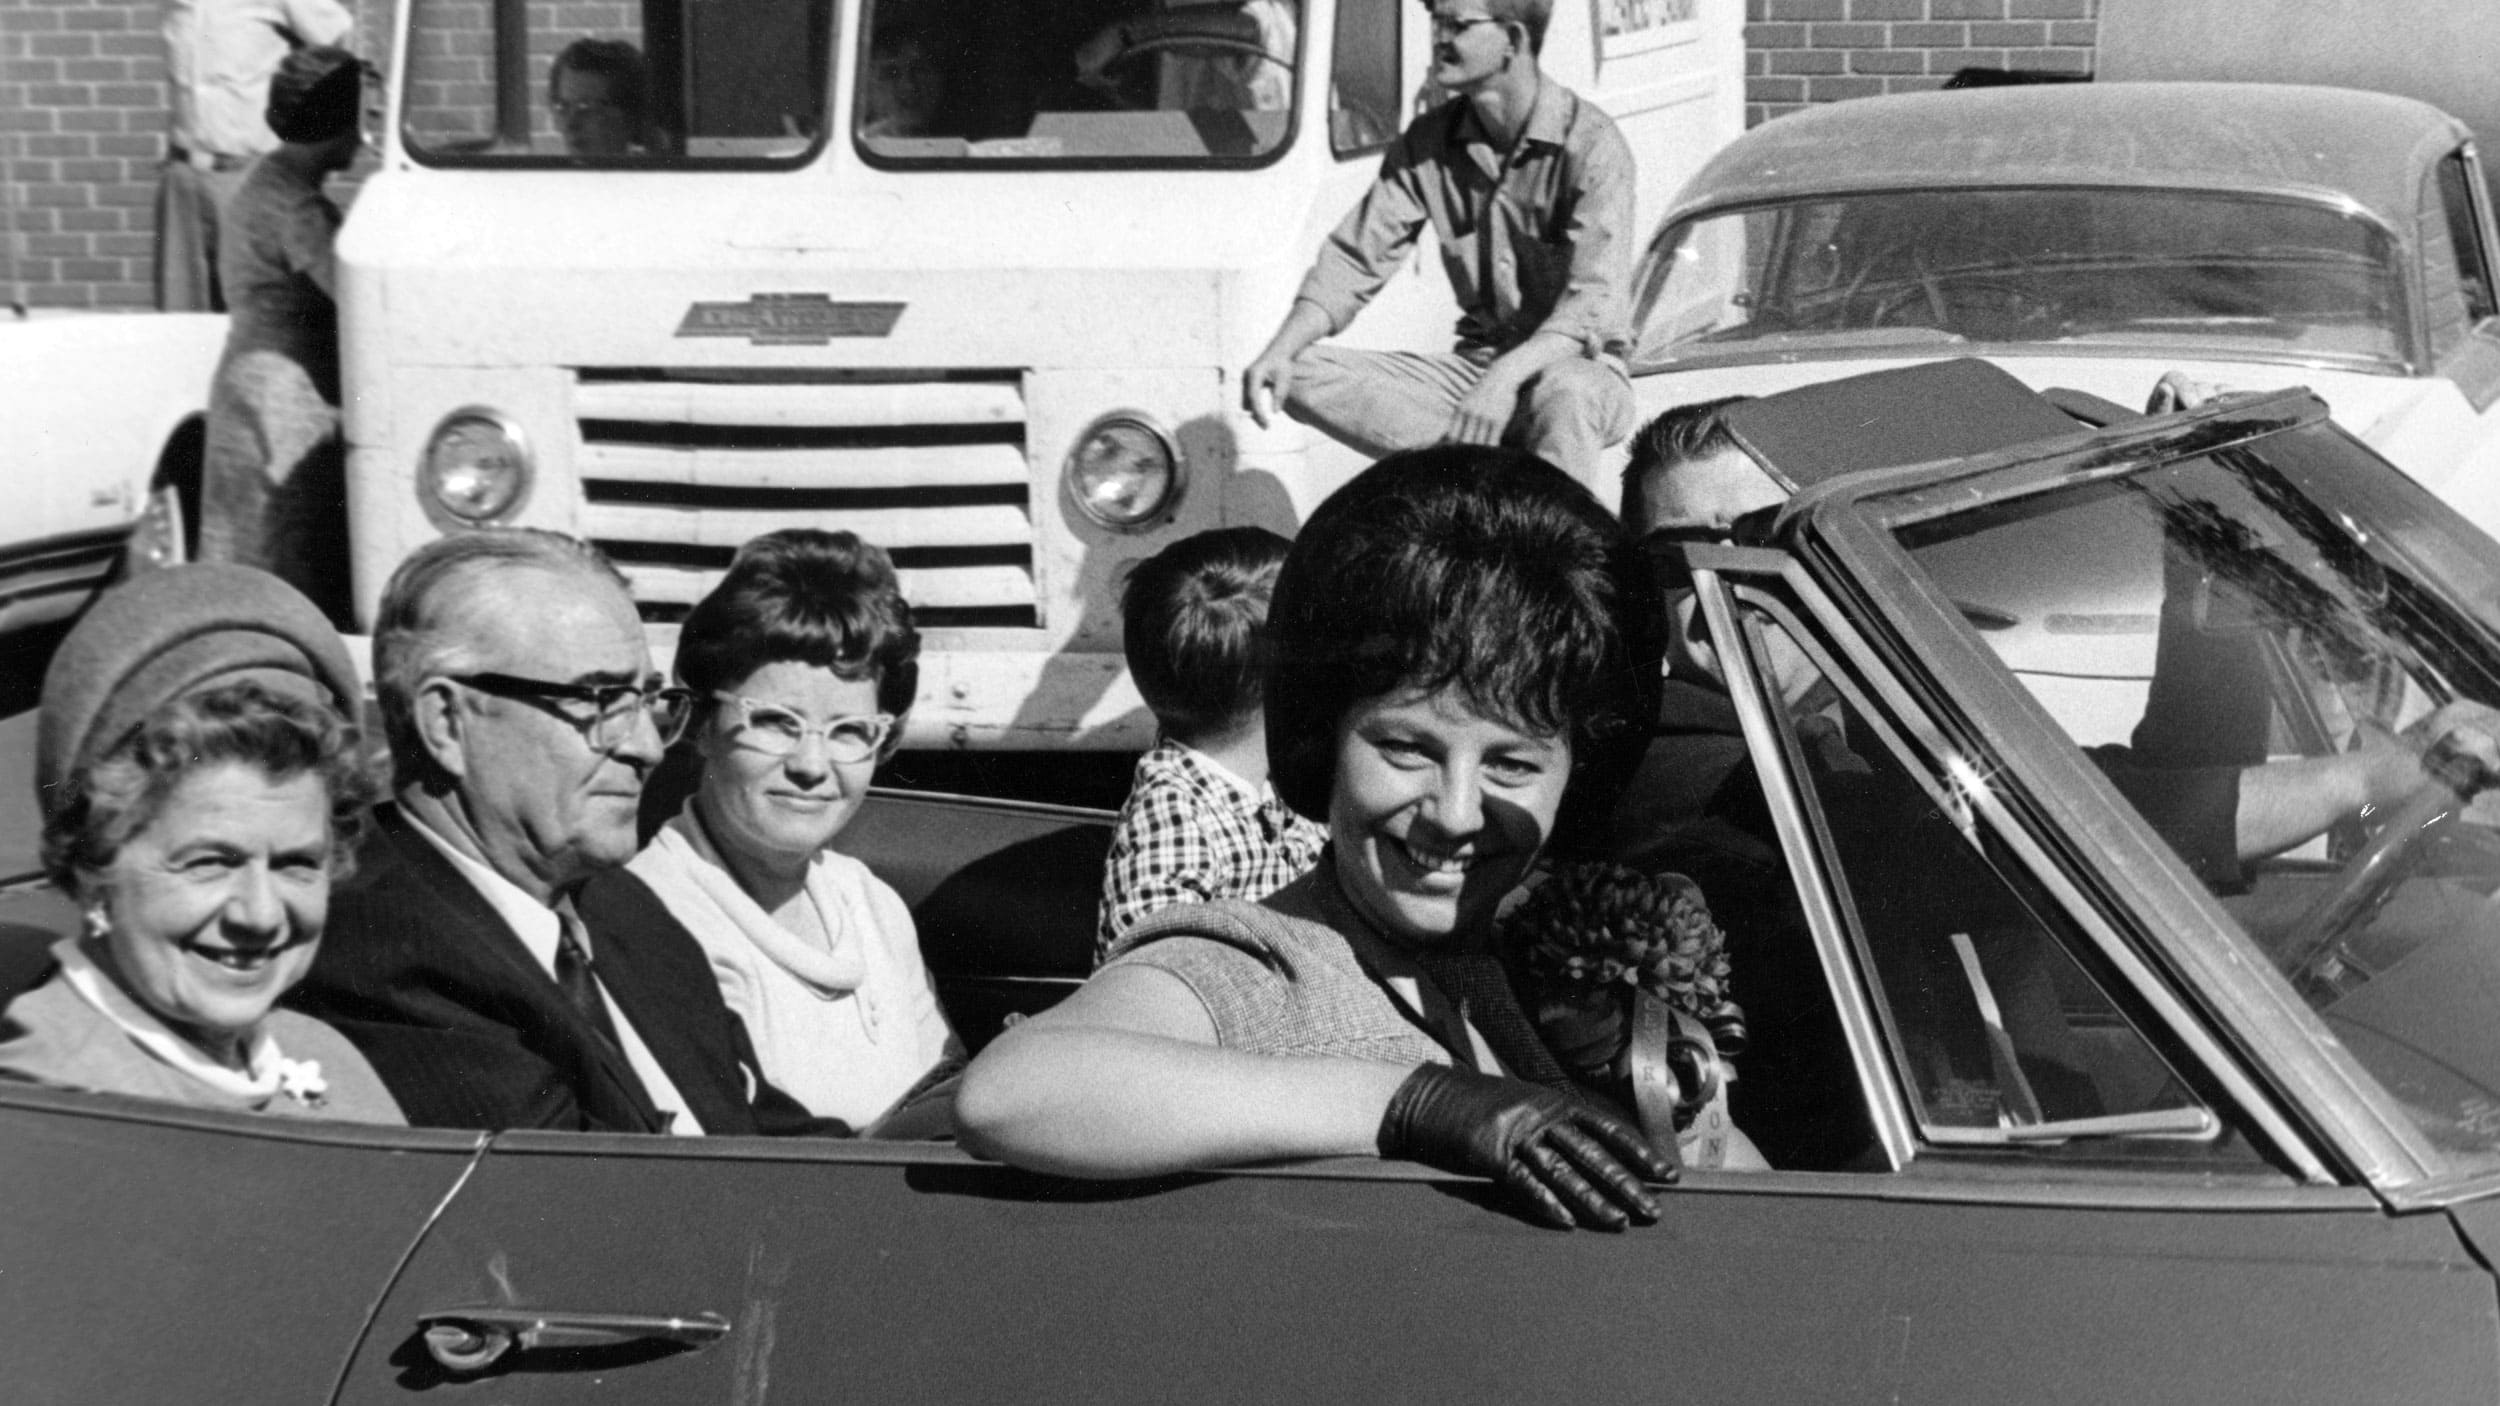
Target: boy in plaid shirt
(1201,821)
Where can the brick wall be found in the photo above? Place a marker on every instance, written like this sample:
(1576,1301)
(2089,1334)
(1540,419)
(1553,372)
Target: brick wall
(1816,51)
(82,128)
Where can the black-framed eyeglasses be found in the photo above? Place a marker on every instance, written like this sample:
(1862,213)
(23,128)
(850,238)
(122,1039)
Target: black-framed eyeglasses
(777,731)
(1452,26)
(614,707)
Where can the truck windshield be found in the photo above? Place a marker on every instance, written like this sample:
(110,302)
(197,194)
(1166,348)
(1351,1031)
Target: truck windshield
(2180,271)
(673,83)
(1160,81)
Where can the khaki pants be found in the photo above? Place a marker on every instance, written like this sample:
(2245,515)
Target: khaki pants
(1569,414)
(189,201)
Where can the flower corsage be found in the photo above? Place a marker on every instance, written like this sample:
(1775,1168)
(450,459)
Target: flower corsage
(1593,944)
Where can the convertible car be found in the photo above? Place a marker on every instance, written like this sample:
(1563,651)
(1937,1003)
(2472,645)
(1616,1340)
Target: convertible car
(2096,235)
(2098,1124)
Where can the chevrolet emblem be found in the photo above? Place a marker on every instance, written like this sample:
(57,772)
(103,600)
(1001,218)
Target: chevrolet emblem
(790,319)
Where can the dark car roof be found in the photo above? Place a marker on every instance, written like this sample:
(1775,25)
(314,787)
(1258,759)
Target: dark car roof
(2315,143)
(1930,412)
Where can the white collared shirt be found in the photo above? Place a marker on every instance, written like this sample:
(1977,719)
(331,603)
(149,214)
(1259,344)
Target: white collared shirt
(540,930)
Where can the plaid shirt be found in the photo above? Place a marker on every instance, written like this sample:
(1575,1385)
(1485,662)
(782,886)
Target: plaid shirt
(1192,832)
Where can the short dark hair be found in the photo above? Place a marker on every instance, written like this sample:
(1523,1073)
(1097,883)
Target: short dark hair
(1677,436)
(280,734)
(1190,619)
(615,60)
(804,596)
(317,93)
(1485,570)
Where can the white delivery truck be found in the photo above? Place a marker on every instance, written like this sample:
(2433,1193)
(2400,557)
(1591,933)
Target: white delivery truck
(974,279)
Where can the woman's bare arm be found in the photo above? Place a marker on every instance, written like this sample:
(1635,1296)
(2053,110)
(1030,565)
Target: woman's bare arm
(1125,1079)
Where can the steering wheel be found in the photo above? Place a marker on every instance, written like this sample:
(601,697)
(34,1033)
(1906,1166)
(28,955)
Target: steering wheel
(1884,308)
(2001,293)
(2313,953)
(1207,42)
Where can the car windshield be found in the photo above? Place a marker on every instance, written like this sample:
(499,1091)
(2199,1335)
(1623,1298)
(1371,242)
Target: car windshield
(665,84)
(2184,272)
(2220,643)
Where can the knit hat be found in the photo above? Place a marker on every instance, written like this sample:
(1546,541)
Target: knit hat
(317,93)
(172,632)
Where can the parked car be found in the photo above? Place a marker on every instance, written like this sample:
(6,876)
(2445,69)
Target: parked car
(2094,236)
(2114,1134)
(106,421)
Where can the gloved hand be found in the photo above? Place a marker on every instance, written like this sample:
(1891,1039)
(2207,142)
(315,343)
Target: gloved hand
(1572,1163)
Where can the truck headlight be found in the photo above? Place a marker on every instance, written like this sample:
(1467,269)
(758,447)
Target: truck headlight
(1124,472)
(476,465)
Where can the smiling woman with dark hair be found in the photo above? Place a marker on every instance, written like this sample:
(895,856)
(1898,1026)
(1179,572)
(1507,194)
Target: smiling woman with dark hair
(1463,640)
(803,662)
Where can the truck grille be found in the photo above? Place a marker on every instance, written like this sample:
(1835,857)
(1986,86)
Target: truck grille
(678,468)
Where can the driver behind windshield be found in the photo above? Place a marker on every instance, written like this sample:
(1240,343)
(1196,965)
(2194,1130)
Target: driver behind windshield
(1688,478)
(1242,60)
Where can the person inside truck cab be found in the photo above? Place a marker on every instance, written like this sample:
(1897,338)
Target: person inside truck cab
(1233,55)
(1528,189)
(600,91)
(905,84)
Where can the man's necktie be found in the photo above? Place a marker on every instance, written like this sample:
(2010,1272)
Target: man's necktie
(575,978)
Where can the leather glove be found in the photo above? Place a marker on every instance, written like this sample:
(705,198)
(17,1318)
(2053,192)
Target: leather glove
(1571,1163)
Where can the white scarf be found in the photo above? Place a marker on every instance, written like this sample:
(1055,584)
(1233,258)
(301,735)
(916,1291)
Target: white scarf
(693,879)
(270,1072)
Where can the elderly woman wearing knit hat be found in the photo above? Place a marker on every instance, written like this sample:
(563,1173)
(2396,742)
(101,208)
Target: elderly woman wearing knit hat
(274,481)
(200,788)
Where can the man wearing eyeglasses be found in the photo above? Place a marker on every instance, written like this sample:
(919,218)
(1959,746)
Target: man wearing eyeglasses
(465,959)
(1528,189)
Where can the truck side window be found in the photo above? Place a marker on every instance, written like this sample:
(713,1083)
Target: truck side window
(1363,91)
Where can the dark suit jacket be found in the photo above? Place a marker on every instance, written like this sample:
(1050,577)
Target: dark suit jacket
(469,1031)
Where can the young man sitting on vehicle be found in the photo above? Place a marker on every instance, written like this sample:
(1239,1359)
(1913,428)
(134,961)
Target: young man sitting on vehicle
(1528,188)
(1202,822)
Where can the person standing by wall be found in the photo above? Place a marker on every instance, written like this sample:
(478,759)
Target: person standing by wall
(219,56)
(273,491)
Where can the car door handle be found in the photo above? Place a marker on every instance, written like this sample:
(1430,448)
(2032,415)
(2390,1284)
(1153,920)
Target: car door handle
(466,1340)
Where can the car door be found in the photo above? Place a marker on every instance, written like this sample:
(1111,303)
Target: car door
(152,1253)
(876,1274)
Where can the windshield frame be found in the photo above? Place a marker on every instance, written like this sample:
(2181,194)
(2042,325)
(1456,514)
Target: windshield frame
(1845,533)
(1657,263)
